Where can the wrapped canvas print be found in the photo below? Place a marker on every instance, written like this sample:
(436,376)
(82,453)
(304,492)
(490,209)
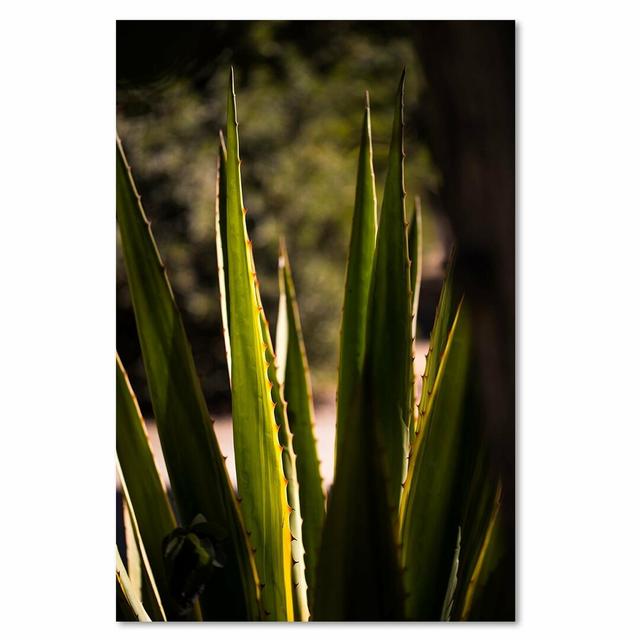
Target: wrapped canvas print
(315,368)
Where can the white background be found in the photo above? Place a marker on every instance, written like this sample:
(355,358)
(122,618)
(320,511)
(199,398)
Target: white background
(578,313)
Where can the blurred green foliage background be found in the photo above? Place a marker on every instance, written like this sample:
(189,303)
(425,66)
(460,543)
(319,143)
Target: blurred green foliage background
(300,93)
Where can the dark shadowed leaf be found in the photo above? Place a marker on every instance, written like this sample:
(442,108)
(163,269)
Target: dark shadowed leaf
(429,513)
(358,280)
(388,368)
(149,500)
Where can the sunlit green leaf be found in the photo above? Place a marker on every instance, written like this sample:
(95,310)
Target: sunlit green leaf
(290,466)
(300,413)
(259,466)
(301,609)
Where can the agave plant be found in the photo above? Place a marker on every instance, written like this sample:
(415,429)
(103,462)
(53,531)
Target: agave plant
(411,528)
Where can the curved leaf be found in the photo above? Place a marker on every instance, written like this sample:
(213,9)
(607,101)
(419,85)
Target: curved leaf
(477,595)
(128,606)
(146,578)
(485,562)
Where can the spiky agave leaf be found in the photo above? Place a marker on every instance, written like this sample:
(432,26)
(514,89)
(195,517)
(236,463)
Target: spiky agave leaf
(259,465)
(428,512)
(388,368)
(290,466)
(301,609)
(357,282)
(198,475)
(297,392)
(415,259)
(358,569)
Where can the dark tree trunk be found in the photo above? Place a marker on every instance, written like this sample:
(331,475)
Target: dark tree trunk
(469,118)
